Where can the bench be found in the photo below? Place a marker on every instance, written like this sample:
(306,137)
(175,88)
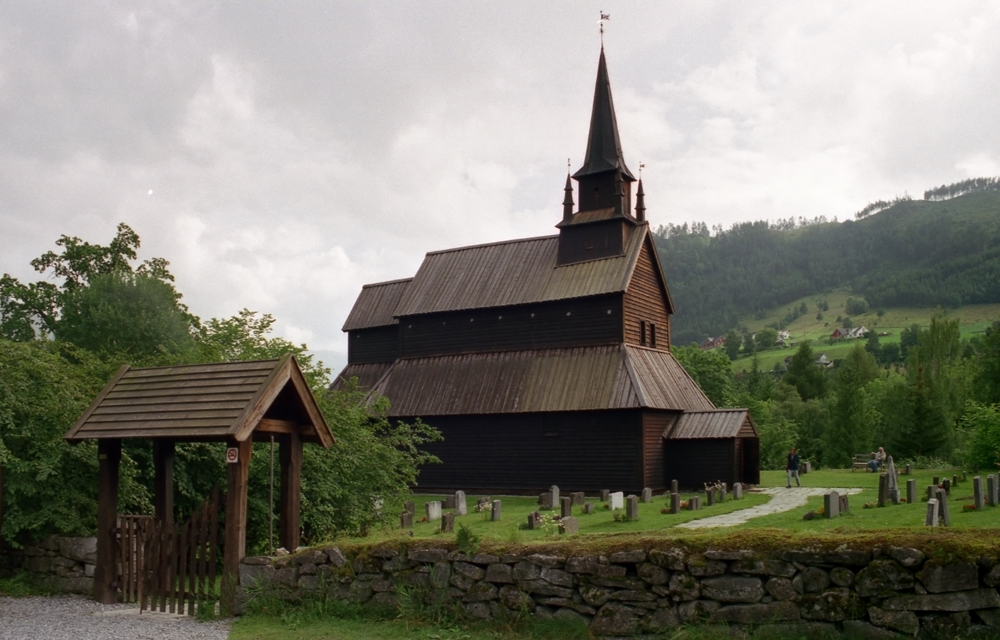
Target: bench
(861,461)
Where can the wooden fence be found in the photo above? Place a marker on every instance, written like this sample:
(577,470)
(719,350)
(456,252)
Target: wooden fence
(168,566)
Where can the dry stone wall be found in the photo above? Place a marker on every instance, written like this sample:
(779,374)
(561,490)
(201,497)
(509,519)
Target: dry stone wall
(881,593)
(63,564)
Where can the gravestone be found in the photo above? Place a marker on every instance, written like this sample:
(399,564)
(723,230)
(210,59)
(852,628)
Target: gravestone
(569,525)
(911,491)
(737,490)
(447,523)
(409,507)
(907,471)
(931,520)
(632,507)
(449,502)
(433,509)
(954,481)
(894,496)
(554,490)
(978,499)
(534,520)
(831,504)
(723,490)
(963,476)
(931,491)
(565,506)
(944,517)
(545,500)
(616,500)
(695,503)
(673,487)
(405,520)
(883,489)
(675,503)
(578,498)
(588,507)
(604,495)
(845,505)
(992,498)
(461,507)
(495,512)
(946,483)
(710,497)
(807,467)
(936,481)
(647,495)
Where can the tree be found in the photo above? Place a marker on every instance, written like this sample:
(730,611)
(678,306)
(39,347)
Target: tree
(983,422)
(908,337)
(872,346)
(803,374)
(711,370)
(851,418)
(733,343)
(766,338)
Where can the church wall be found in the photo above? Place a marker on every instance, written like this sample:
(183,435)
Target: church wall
(578,451)
(653,426)
(380,344)
(645,302)
(567,323)
(694,462)
(591,241)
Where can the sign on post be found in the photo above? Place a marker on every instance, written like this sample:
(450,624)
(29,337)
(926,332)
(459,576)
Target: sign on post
(232,455)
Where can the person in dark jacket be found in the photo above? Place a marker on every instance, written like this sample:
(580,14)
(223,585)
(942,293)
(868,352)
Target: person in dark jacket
(792,468)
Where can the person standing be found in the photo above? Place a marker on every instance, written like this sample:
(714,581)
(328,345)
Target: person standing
(792,468)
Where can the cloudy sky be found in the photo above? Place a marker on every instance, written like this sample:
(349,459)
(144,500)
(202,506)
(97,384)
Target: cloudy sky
(280,155)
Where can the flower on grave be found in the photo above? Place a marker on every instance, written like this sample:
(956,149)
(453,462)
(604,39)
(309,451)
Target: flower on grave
(868,505)
(424,519)
(968,507)
(686,504)
(902,499)
(821,511)
(607,506)
(664,510)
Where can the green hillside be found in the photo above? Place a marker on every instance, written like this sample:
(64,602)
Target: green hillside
(905,260)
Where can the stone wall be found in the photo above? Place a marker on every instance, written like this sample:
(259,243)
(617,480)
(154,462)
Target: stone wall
(63,564)
(881,593)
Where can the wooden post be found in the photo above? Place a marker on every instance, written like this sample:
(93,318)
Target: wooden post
(236,524)
(109,455)
(163,481)
(291,486)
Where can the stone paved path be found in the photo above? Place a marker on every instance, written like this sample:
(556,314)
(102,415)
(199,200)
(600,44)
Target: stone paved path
(781,500)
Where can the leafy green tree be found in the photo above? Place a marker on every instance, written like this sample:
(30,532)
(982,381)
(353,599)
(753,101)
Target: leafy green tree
(766,338)
(908,337)
(983,422)
(852,420)
(872,346)
(711,370)
(891,353)
(988,357)
(856,306)
(803,374)
(733,343)
(749,344)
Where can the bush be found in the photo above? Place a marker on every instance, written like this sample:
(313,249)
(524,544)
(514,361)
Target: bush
(856,306)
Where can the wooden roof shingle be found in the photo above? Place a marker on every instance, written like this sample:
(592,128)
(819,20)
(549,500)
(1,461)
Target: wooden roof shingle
(720,423)
(217,401)
(376,305)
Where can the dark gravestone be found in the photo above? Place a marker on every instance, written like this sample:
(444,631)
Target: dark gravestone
(565,506)
(883,489)
(907,471)
(673,487)
(632,507)
(954,481)
(710,497)
(936,481)
(978,497)
(911,490)
(992,498)
(578,498)
(405,520)
(588,507)
(695,503)
(409,507)
(845,505)
(449,502)
(534,520)
(963,476)
(931,491)
(447,522)
(647,495)
(495,512)
(946,483)
(944,517)
(675,503)
(545,501)
(605,495)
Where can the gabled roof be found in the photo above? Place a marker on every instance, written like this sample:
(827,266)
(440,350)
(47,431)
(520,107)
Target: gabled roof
(575,379)
(376,304)
(604,147)
(511,273)
(366,373)
(720,423)
(218,401)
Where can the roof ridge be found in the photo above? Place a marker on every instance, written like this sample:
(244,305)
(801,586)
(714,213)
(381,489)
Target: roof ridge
(386,282)
(492,244)
(200,364)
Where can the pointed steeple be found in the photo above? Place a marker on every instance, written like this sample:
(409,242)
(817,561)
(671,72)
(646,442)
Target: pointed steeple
(604,148)
(568,200)
(640,201)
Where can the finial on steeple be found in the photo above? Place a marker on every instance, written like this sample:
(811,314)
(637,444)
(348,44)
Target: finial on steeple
(568,200)
(604,18)
(640,200)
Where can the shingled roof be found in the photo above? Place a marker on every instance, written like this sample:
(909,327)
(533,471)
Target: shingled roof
(218,401)
(376,305)
(575,379)
(721,423)
(511,273)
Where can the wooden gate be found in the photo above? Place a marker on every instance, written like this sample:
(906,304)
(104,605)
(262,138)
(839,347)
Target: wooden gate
(170,566)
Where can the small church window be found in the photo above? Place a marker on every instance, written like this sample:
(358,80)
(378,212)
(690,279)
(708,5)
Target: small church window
(642,333)
(652,335)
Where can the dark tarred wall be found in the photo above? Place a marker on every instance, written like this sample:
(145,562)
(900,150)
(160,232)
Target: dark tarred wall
(579,243)
(694,462)
(380,344)
(580,451)
(568,323)
(645,300)
(653,425)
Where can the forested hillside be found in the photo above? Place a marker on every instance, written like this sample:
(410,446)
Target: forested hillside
(914,253)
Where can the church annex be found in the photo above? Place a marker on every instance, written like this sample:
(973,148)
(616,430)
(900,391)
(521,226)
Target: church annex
(547,360)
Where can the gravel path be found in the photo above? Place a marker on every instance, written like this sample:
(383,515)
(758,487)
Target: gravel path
(80,618)
(781,500)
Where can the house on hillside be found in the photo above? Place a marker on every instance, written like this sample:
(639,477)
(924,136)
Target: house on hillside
(849,334)
(547,360)
(712,343)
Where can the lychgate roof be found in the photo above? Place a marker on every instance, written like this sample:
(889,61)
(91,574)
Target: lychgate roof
(721,423)
(215,401)
(511,273)
(573,379)
(376,305)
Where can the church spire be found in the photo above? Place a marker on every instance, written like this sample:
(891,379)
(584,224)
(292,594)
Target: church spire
(568,200)
(604,148)
(640,201)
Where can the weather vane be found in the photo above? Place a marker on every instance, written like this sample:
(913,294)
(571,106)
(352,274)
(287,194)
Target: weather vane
(604,18)
(642,165)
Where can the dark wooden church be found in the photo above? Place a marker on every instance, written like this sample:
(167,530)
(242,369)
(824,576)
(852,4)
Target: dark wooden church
(547,360)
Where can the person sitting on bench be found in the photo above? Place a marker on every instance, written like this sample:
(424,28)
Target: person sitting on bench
(875,464)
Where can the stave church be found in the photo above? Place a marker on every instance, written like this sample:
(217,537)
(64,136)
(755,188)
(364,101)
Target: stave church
(547,360)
